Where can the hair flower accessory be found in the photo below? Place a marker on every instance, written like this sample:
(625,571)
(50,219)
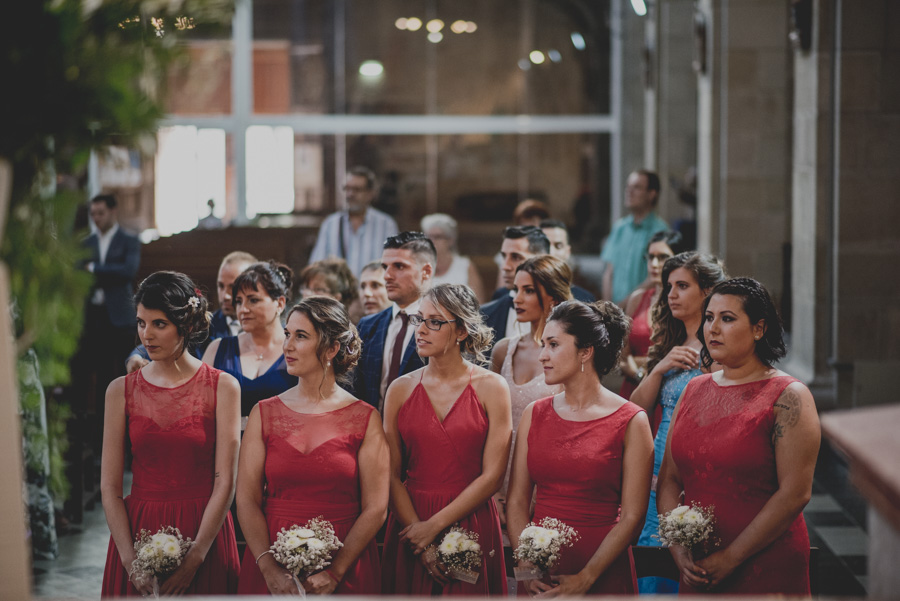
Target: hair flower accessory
(194,302)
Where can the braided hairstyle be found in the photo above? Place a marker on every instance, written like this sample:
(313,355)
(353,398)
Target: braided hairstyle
(331,322)
(758,306)
(669,331)
(460,302)
(176,295)
(602,326)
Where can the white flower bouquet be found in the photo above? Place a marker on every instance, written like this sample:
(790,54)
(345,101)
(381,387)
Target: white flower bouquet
(460,552)
(691,527)
(158,555)
(305,550)
(541,544)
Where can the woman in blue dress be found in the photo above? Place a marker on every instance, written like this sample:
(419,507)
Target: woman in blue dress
(255,356)
(674,359)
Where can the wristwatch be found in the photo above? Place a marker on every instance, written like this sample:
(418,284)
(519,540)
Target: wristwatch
(640,373)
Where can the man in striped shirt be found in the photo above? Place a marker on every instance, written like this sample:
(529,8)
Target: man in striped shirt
(357,233)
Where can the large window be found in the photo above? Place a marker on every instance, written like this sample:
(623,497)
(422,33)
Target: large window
(447,100)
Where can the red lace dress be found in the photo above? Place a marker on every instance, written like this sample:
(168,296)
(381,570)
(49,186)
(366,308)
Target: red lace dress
(312,470)
(721,442)
(639,337)
(441,459)
(577,469)
(173,442)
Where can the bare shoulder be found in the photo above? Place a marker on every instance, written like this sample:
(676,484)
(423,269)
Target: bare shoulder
(401,388)
(488,384)
(227,382)
(209,355)
(116,389)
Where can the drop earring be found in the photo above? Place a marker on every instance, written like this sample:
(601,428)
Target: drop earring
(582,367)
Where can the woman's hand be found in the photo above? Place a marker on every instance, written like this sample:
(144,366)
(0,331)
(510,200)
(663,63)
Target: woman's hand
(680,357)
(279,580)
(717,566)
(142,584)
(181,579)
(576,584)
(535,586)
(320,583)
(419,535)
(691,573)
(434,567)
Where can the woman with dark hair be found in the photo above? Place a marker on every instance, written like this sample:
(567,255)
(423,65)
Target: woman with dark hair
(331,278)
(541,283)
(745,440)
(182,419)
(633,362)
(587,451)
(314,450)
(448,428)
(255,355)
(674,359)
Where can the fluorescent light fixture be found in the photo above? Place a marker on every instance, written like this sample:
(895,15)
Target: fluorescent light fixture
(639,7)
(577,40)
(371,68)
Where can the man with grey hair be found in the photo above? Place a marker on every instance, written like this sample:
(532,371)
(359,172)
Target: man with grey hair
(357,233)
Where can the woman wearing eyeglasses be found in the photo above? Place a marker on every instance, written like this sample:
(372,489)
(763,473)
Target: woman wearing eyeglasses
(633,362)
(448,429)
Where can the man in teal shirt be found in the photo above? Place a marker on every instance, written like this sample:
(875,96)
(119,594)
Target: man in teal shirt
(627,242)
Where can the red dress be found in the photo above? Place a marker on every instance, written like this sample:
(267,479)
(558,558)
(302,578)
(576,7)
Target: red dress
(312,470)
(639,337)
(721,442)
(577,468)
(173,442)
(442,459)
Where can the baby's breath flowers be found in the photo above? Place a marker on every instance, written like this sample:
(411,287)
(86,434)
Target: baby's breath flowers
(305,550)
(690,527)
(158,555)
(540,544)
(460,552)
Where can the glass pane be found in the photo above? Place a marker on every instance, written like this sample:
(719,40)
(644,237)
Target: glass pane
(201,85)
(190,172)
(270,170)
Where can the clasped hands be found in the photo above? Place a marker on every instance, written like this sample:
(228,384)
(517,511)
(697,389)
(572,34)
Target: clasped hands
(420,537)
(706,573)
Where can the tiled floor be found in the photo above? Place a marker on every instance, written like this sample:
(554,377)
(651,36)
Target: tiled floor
(832,516)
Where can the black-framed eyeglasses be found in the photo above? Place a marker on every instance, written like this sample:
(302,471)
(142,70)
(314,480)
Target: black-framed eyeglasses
(431,323)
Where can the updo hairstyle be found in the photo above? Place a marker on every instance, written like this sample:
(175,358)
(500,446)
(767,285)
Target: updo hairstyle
(758,305)
(331,322)
(668,330)
(174,294)
(272,277)
(460,302)
(601,325)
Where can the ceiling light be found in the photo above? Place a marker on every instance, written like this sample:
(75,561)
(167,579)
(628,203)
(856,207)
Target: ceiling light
(577,40)
(435,36)
(536,56)
(401,23)
(434,26)
(471,27)
(414,24)
(524,65)
(371,68)
(458,27)
(554,55)
(639,7)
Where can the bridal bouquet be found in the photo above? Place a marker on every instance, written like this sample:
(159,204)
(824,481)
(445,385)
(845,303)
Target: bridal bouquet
(541,544)
(691,527)
(305,550)
(461,553)
(158,555)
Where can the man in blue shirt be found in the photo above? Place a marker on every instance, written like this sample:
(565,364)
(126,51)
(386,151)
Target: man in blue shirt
(630,235)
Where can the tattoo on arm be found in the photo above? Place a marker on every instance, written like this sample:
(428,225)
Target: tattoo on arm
(787,413)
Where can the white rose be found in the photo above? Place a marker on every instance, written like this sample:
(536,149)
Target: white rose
(314,544)
(305,533)
(542,540)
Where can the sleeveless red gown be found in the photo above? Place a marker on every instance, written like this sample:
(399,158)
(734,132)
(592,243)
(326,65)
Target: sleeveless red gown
(722,445)
(639,337)
(173,442)
(311,470)
(577,469)
(441,459)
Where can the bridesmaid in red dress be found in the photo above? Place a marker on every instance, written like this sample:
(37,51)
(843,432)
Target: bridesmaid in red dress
(183,420)
(633,362)
(449,428)
(744,439)
(588,451)
(312,451)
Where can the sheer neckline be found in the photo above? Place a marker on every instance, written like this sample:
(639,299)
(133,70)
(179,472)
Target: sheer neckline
(285,405)
(776,376)
(185,383)
(584,421)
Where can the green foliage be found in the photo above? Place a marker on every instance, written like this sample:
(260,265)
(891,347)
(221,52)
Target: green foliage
(77,75)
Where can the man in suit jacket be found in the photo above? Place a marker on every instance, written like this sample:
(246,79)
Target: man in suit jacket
(389,346)
(519,243)
(223,323)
